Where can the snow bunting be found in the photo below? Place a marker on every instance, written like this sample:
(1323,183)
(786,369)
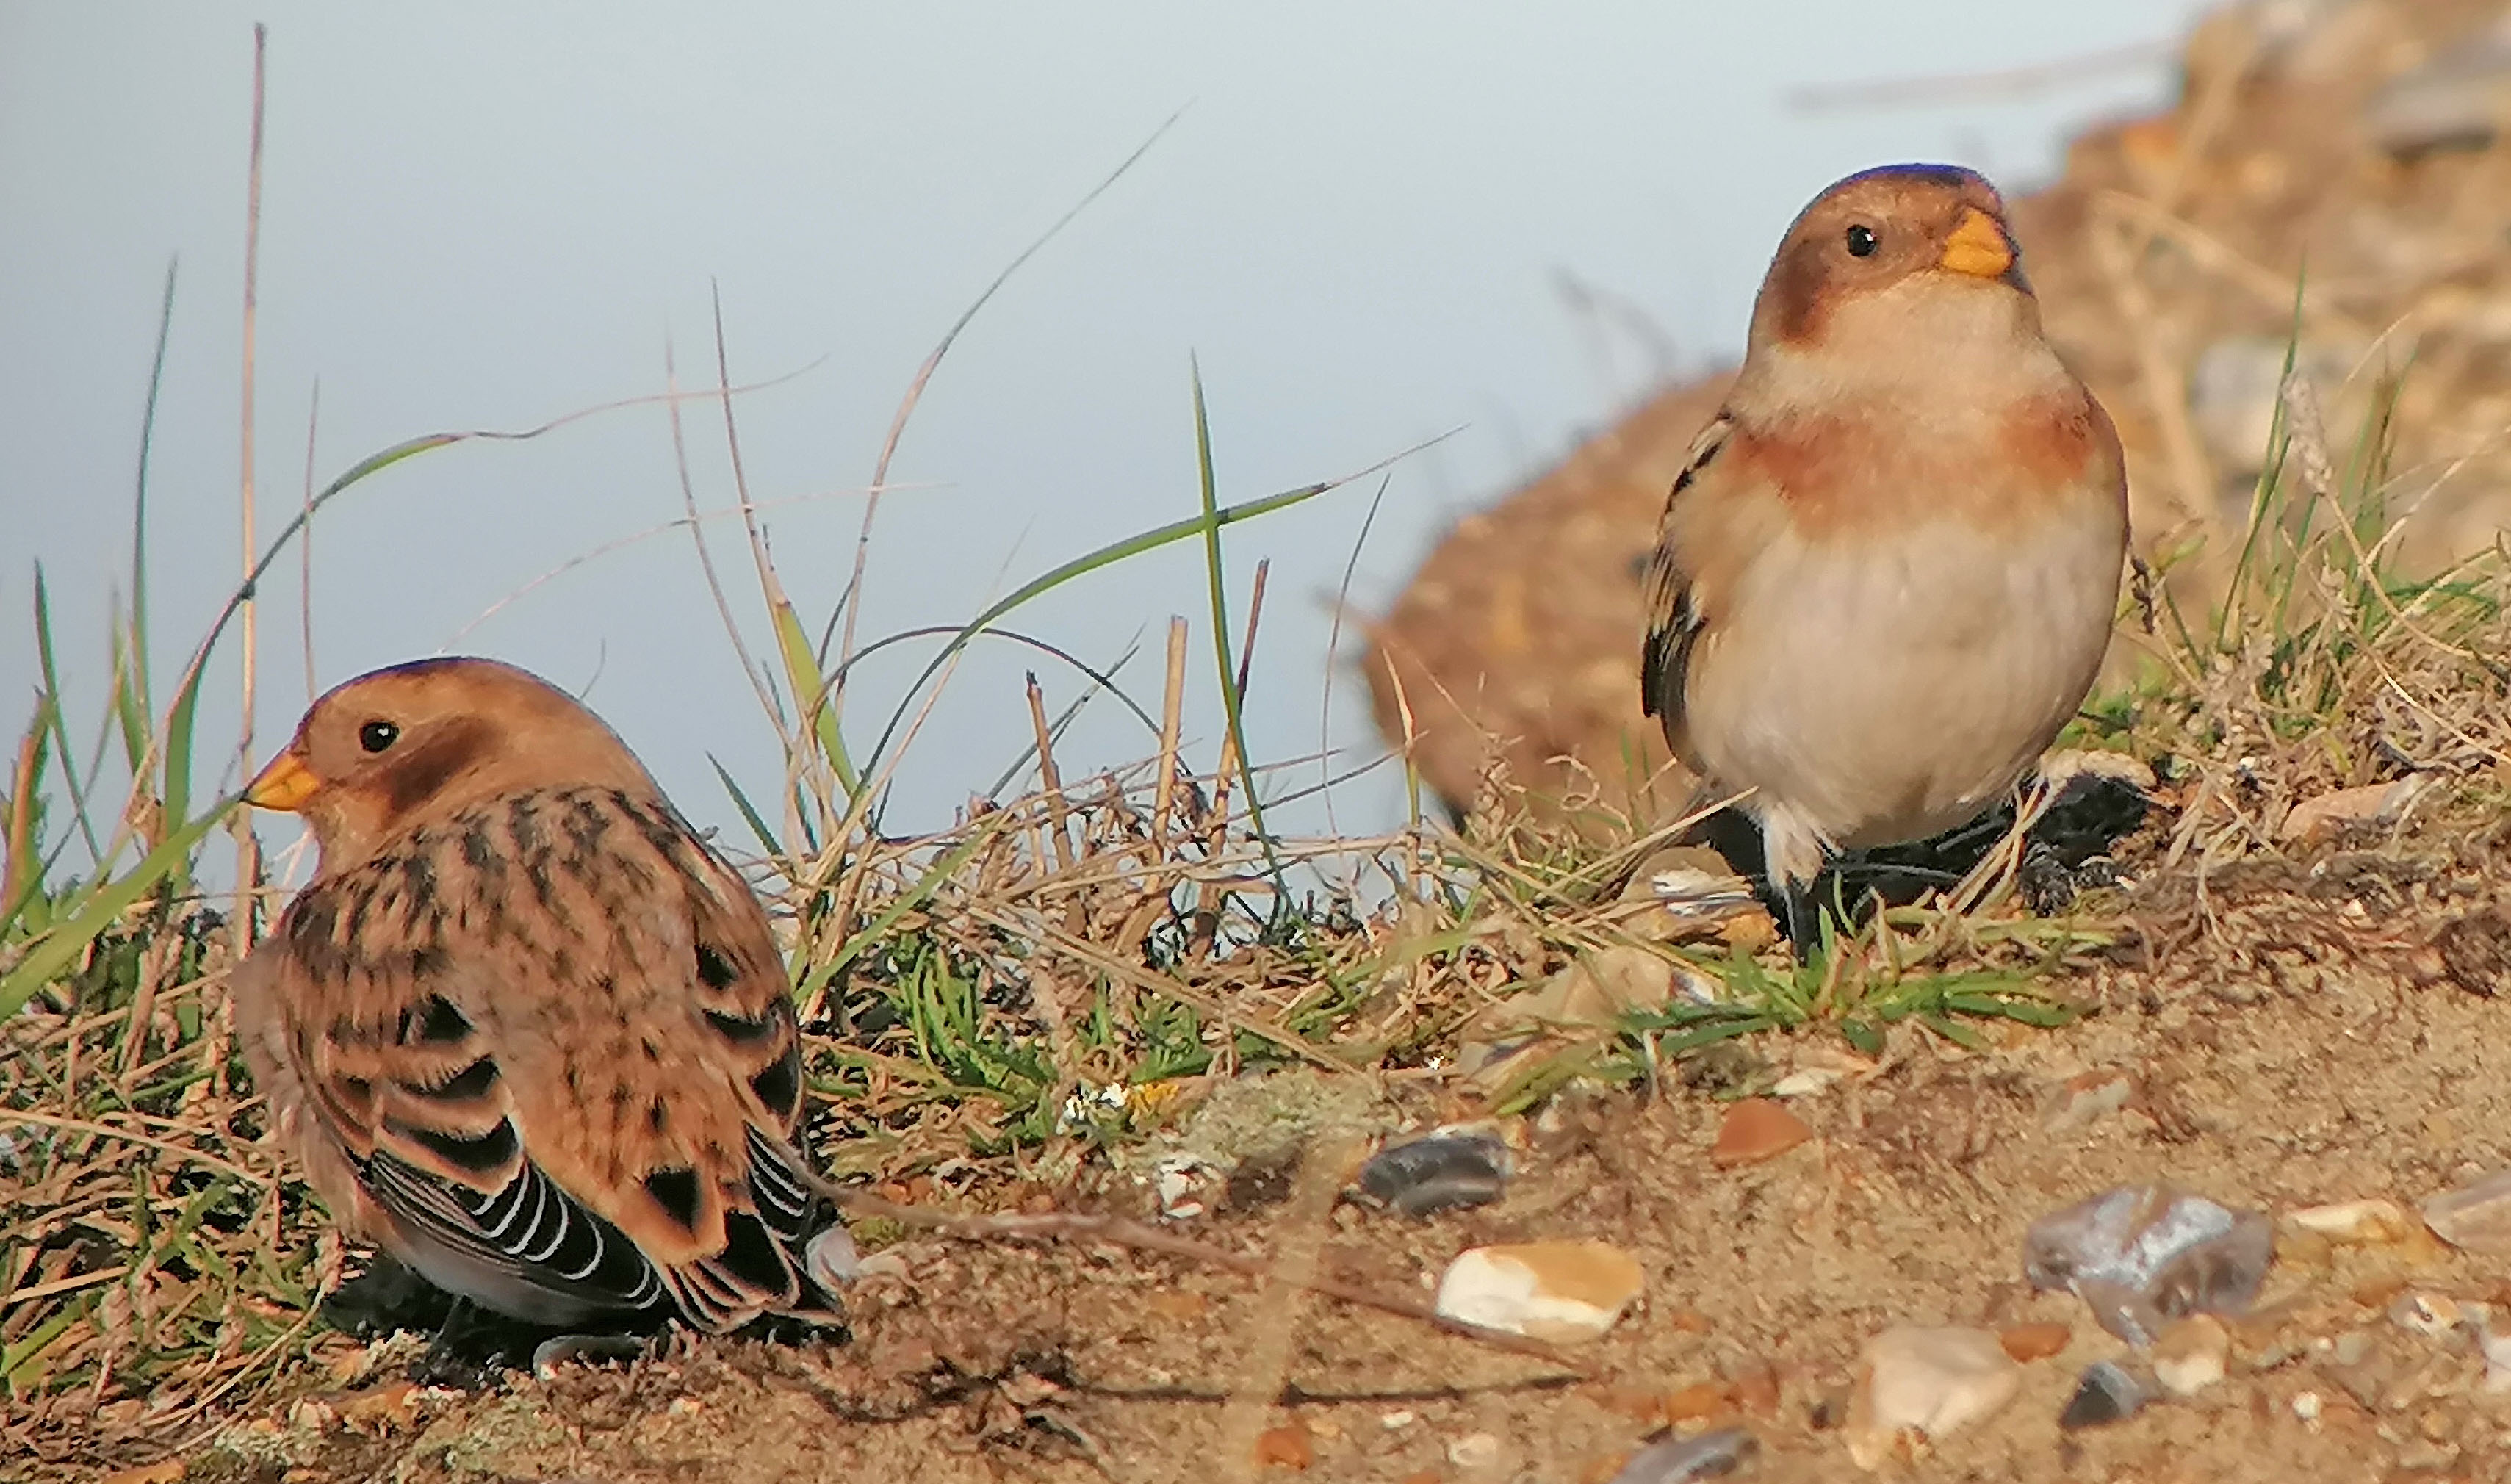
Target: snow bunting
(1887,574)
(526,1032)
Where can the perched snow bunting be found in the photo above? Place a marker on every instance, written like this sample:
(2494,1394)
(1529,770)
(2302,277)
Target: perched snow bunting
(528,1032)
(1887,576)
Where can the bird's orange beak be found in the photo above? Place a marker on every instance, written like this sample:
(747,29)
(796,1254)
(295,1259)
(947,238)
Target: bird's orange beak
(283,784)
(1978,247)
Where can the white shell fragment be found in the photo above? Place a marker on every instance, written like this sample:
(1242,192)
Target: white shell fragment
(2366,1221)
(1917,1383)
(2191,1353)
(1557,1291)
(831,1260)
(2474,1218)
(2144,1254)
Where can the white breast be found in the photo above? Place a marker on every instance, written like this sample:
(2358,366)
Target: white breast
(1886,692)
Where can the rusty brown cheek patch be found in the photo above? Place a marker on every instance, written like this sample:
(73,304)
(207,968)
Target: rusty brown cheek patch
(433,761)
(1796,291)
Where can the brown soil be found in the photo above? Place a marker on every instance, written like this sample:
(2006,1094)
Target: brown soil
(2297,1036)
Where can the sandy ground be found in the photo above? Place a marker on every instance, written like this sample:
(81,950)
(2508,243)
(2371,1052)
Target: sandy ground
(2292,1039)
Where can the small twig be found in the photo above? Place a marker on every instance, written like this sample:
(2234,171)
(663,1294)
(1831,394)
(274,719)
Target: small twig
(1217,825)
(1268,1363)
(1072,1226)
(1962,87)
(850,601)
(799,748)
(2273,290)
(1171,710)
(706,558)
(190,1151)
(305,546)
(2158,373)
(1092,955)
(1334,645)
(240,823)
(1049,779)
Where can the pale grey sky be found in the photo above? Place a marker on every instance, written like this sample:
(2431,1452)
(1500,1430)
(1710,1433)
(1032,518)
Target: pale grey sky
(490,216)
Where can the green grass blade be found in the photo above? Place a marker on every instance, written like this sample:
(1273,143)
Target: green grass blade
(749,816)
(127,710)
(70,780)
(49,958)
(139,501)
(21,875)
(943,868)
(1217,582)
(811,690)
(177,791)
(1104,556)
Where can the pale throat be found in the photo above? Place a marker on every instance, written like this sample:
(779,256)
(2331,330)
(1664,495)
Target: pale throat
(1943,354)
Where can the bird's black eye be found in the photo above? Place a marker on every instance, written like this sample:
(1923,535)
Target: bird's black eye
(375,736)
(1862,241)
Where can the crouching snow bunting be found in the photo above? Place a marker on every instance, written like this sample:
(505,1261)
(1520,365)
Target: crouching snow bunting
(526,1032)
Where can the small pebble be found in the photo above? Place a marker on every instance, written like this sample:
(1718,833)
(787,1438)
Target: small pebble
(2307,1406)
(2474,951)
(1398,1419)
(311,1416)
(1757,1129)
(1444,1170)
(1475,1450)
(1185,1186)
(1675,1460)
(2498,1357)
(1755,1387)
(2191,1353)
(1696,1402)
(2141,1255)
(2035,1341)
(2428,1313)
(1805,1082)
(2371,804)
(2108,1393)
(391,1402)
(2089,1097)
(1558,1291)
(1285,1447)
(2354,1220)
(1929,1380)
(830,1259)
(2476,1217)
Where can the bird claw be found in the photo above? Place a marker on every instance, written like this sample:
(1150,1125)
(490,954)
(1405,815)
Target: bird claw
(1801,915)
(558,1349)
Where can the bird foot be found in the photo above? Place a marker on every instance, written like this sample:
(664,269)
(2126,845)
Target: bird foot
(559,1349)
